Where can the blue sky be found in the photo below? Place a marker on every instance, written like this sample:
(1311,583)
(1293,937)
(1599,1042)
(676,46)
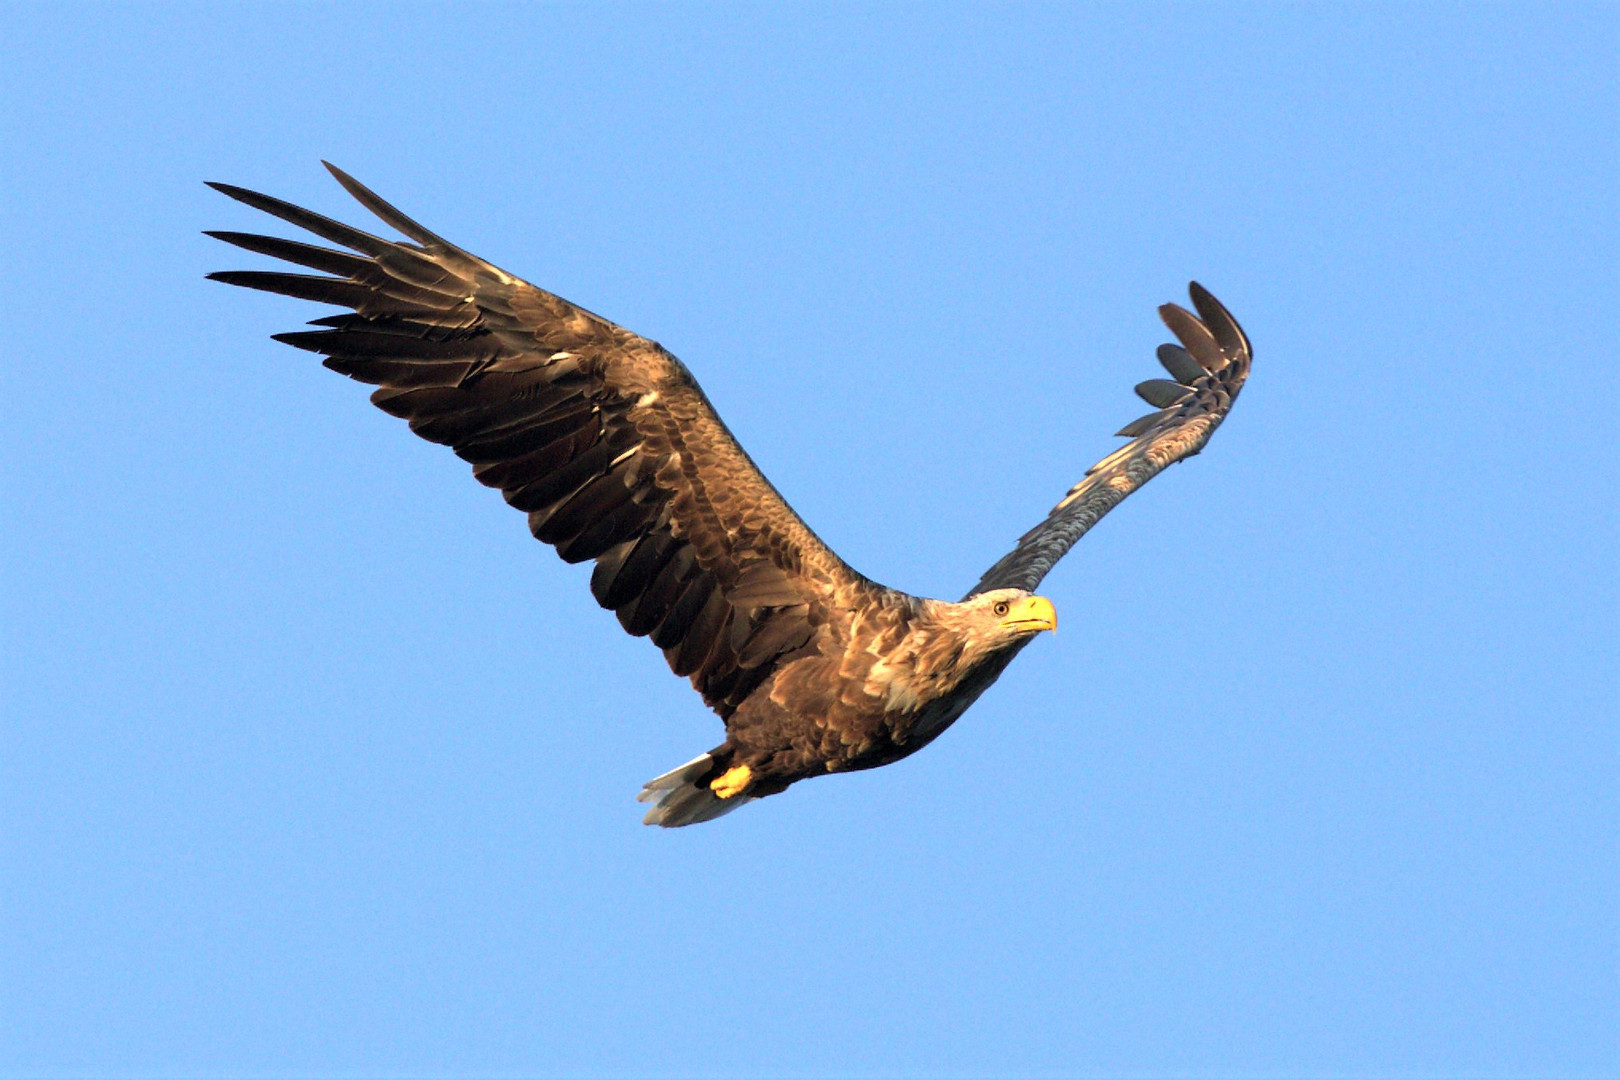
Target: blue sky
(315,764)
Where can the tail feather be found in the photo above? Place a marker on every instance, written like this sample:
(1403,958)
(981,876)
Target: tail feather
(678,799)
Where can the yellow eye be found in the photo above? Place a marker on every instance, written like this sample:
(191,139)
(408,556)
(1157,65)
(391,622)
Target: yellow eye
(1001,607)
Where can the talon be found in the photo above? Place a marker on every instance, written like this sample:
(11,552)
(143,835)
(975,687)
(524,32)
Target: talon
(731,781)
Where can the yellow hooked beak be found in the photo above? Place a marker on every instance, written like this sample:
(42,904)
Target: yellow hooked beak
(1032,614)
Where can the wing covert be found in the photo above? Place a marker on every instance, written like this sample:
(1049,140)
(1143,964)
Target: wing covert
(600,436)
(1207,371)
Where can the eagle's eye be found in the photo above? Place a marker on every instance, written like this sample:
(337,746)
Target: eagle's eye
(1001,608)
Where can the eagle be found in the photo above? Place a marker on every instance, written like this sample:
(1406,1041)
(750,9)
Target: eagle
(606,441)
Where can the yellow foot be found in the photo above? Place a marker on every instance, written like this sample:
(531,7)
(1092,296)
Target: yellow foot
(731,781)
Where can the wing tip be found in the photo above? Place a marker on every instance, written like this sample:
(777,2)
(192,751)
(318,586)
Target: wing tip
(349,183)
(390,214)
(1212,337)
(1220,323)
(234,191)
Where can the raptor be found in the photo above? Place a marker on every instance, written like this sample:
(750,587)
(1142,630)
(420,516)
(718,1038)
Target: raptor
(609,446)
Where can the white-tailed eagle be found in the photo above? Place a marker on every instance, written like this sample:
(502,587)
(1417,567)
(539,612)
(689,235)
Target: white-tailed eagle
(610,447)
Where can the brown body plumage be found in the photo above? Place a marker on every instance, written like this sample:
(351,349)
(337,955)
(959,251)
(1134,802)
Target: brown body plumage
(610,446)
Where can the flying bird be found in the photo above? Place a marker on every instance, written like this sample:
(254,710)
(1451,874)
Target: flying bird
(608,444)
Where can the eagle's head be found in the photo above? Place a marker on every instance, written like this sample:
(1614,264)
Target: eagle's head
(955,645)
(1007,616)
(989,623)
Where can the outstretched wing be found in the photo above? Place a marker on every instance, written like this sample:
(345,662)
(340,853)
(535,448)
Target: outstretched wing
(604,439)
(1209,367)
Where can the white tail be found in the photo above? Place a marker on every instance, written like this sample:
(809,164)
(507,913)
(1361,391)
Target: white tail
(678,800)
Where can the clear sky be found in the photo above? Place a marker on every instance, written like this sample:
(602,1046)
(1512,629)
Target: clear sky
(314,763)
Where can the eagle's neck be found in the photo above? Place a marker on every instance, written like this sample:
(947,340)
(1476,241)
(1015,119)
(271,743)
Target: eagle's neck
(932,654)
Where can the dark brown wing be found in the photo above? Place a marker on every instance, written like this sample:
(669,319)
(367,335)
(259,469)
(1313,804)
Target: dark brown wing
(1209,368)
(604,439)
